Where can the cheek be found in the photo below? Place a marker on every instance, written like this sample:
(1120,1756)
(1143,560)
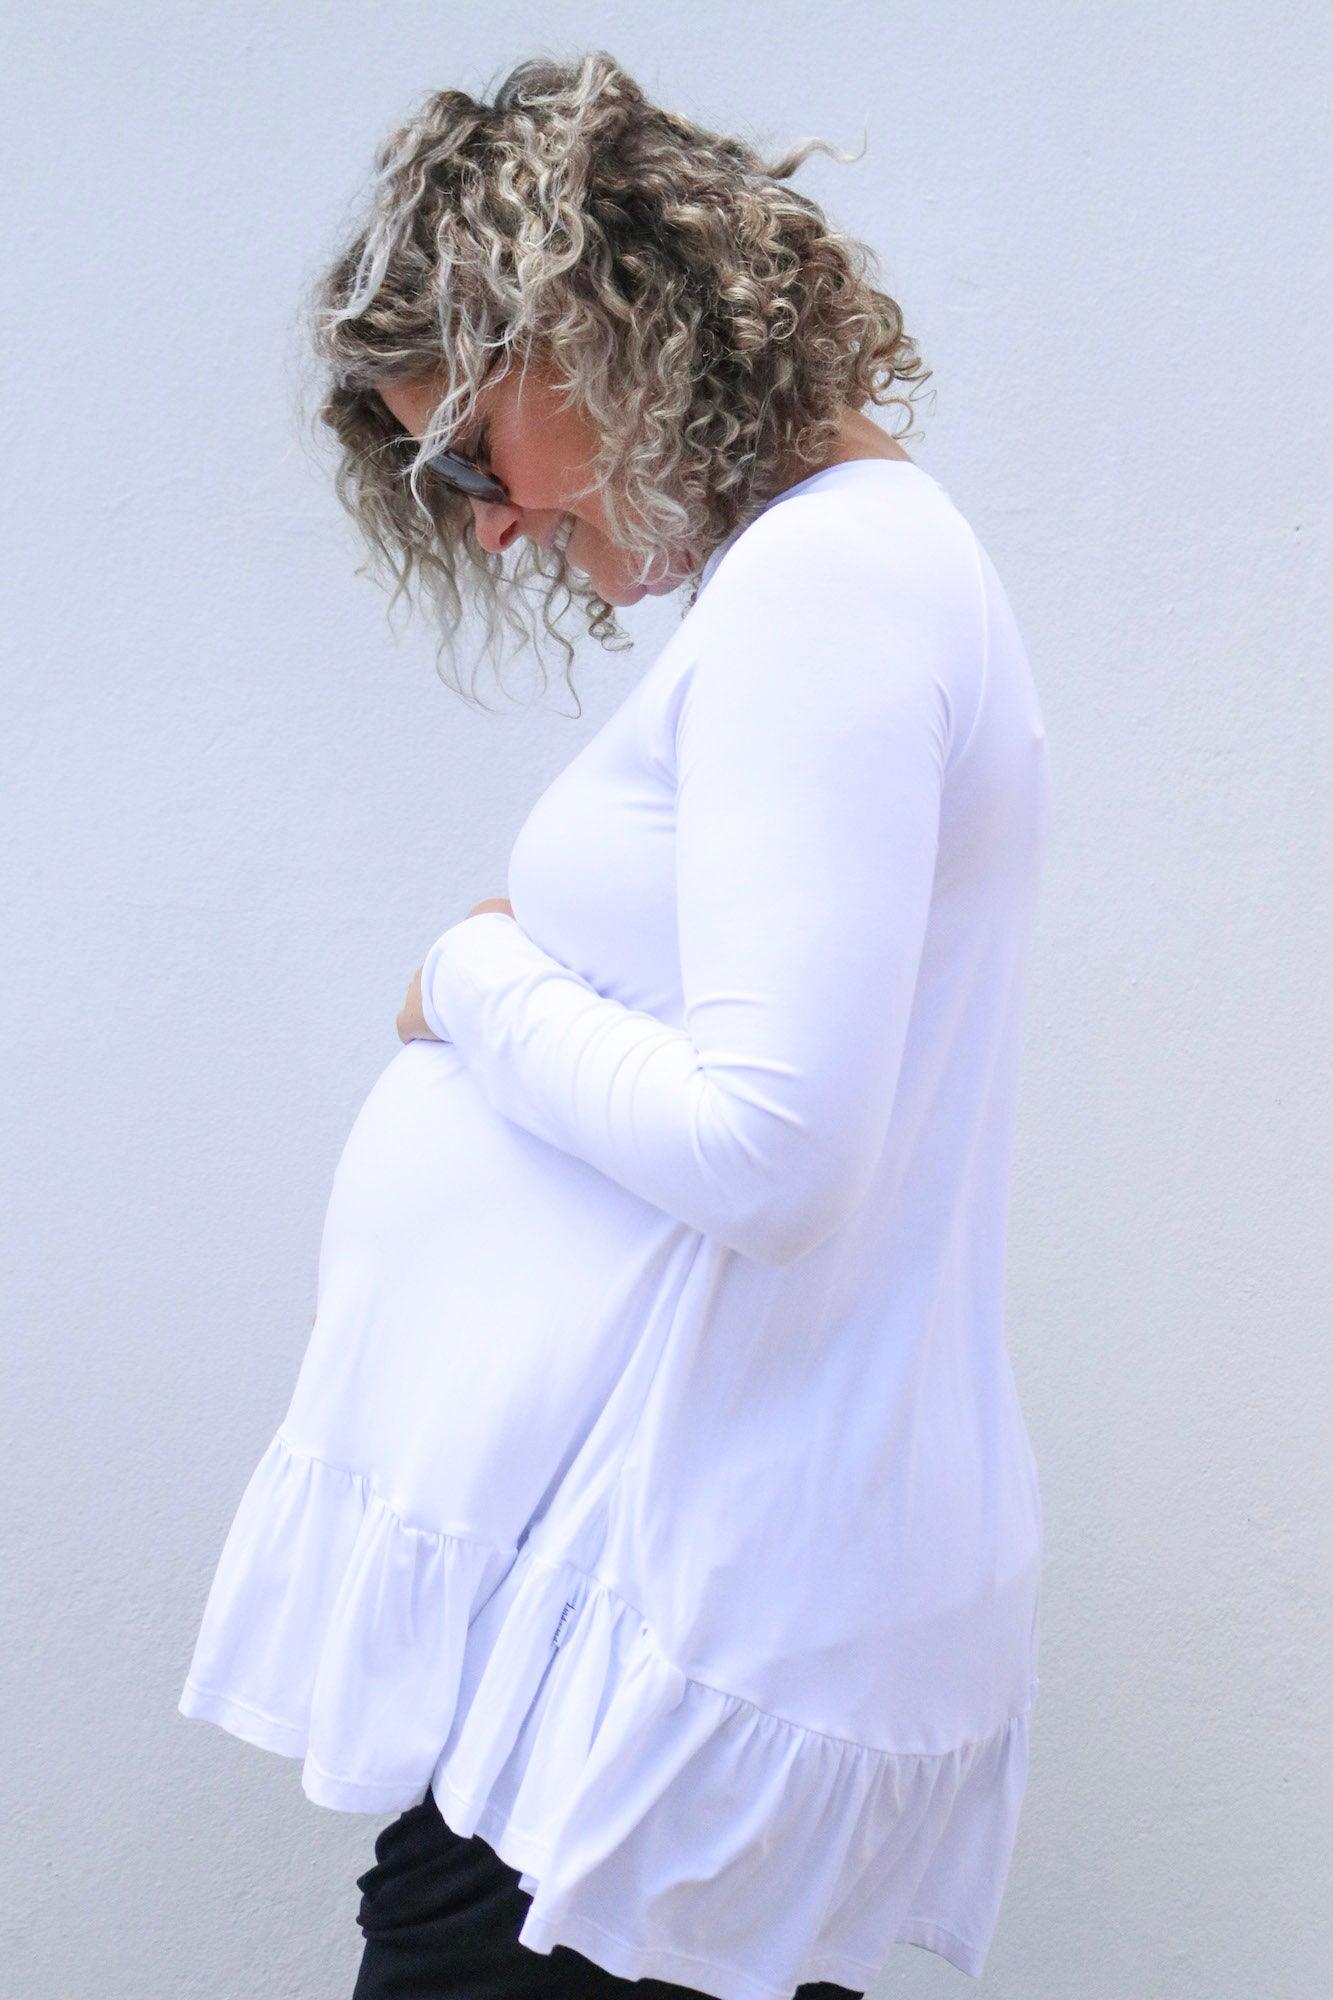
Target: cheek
(588,547)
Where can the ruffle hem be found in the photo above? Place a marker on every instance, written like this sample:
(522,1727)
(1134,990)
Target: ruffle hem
(637,1802)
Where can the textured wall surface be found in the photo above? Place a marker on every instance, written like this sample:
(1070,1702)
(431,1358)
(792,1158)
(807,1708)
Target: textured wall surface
(238,811)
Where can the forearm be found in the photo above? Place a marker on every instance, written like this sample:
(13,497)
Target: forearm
(723,1149)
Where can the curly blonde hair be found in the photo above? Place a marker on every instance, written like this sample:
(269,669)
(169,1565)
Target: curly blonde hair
(712,322)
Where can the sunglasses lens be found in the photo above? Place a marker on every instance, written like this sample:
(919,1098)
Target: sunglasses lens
(465,478)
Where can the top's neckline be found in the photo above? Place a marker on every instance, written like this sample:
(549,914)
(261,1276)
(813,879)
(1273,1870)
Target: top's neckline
(826,474)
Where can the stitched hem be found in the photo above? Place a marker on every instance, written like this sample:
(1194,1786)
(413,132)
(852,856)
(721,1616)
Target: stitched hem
(969,1958)
(520,1850)
(627,1960)
(631,1961)
(266,1732)
(241,1719)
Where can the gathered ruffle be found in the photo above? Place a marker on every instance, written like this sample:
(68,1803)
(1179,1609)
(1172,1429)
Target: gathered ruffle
(638,1803)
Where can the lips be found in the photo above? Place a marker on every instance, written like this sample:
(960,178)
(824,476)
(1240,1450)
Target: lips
(560,533)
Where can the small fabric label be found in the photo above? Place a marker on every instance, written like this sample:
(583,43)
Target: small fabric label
(557,1636)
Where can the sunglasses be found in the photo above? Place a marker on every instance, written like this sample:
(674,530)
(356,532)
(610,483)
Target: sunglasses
(466,476)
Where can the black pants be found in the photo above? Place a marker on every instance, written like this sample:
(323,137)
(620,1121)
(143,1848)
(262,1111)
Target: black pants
(441,1914)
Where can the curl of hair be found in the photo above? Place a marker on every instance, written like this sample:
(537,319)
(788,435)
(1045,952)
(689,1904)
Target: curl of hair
(712,322)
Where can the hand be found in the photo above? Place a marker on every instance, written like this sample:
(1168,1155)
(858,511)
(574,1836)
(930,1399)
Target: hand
(411,1022)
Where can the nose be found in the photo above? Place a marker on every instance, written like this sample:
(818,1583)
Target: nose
(496,523)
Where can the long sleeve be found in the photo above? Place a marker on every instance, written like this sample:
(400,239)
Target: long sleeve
(811,738)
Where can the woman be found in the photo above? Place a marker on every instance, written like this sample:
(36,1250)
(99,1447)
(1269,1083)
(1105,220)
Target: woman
(653,1527)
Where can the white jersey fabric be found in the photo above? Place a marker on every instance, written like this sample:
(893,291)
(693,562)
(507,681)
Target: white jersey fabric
(655,1486)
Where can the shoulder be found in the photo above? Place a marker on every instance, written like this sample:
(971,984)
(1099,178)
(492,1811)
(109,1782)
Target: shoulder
(889,549)
(850,615)
(859,567)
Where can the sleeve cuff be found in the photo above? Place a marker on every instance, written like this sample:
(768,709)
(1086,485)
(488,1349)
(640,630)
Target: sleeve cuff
(441,964)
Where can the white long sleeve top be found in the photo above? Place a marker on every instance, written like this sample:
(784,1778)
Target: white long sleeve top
(655,1486)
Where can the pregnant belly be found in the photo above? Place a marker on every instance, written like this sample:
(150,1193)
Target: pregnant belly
(482,1297)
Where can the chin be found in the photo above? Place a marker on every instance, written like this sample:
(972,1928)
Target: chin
(673,580)
(618,593)
(623,593)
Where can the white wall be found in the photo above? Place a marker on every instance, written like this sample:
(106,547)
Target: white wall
(238,813)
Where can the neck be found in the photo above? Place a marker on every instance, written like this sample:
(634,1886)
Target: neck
(860,437)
